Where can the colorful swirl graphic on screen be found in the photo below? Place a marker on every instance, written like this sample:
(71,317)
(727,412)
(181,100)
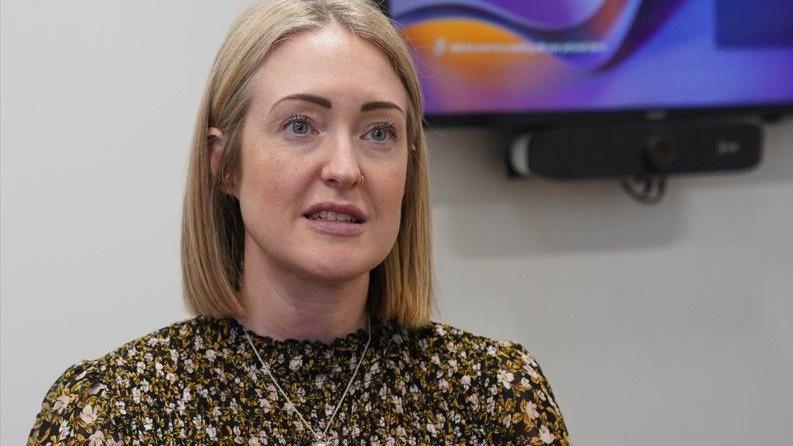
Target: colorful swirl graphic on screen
(506,47)
(484,56)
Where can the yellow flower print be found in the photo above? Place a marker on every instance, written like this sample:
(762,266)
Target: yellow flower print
(96,439)
(61,403)
(89,414)
(545,435)
(528,413)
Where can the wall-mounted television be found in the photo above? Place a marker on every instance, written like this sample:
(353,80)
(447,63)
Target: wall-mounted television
(542,61)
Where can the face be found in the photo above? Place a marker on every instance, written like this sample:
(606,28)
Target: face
(324,158)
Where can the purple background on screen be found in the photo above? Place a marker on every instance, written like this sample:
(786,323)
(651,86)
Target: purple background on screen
(662,54)
(546,14)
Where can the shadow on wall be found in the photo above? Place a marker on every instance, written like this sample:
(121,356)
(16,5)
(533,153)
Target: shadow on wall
(484,214)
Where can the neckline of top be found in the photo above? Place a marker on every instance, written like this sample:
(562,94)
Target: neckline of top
(355,338)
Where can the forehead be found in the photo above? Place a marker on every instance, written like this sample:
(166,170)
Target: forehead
(330,62)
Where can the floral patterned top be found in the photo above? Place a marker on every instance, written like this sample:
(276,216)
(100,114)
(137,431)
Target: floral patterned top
(198,382)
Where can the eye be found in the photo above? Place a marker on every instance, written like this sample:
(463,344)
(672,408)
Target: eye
(298,125)
(383,131)
(379,134)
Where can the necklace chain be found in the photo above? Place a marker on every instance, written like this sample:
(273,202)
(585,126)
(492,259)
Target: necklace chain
(319,437)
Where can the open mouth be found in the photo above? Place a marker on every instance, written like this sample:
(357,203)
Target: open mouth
(333,217)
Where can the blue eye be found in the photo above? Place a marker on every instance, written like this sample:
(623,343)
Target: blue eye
(383,131)
(299,126)
(379,134)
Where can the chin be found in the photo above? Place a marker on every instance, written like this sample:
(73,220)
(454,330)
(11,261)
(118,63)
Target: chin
(335,266)
(335,273)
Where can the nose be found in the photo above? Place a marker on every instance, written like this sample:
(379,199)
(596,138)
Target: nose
(341,168)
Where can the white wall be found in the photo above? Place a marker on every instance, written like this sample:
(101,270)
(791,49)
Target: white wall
(655,325)
(670,324)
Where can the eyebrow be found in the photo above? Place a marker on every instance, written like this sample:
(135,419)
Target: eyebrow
(323,102)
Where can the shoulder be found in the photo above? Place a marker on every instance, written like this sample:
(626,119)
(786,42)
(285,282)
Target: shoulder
(445,341)
(99,401)
(73,409)
(159,355)
(502,379)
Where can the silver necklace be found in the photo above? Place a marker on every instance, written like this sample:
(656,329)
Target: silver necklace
(321,439)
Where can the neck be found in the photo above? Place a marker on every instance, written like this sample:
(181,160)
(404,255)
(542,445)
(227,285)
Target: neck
(282,305)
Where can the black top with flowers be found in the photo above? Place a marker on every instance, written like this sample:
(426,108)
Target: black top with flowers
(198,382)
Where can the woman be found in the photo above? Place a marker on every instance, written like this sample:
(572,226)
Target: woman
(306,256)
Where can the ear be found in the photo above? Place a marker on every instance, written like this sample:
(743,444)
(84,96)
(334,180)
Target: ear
(216,143)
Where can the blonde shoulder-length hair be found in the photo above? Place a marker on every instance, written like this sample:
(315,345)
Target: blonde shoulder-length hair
(400,288)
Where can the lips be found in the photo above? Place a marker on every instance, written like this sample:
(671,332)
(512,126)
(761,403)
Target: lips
(335,219)
(335,213)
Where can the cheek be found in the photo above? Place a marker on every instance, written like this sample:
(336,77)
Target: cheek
(392,197)
(266,186)
(267,171)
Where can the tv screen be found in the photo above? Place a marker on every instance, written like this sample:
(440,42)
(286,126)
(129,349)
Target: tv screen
(496,57)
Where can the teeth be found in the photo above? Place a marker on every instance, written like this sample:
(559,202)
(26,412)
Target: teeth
(332,216)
